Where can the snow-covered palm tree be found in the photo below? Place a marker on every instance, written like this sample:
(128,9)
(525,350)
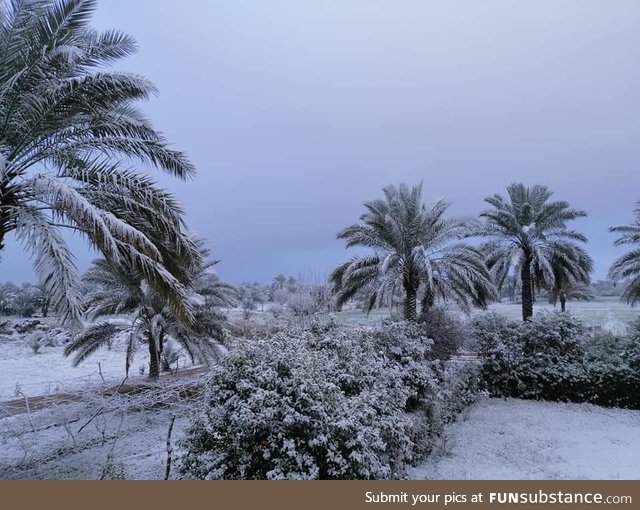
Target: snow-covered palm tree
(529,233)
(69,129)
(8,292)
(571,276)
(627,267)
(415,248)
(118,289)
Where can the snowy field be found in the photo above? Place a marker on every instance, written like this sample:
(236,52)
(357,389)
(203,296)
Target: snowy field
(517,439)
(75,441)
(608,312)
(494,439)
(24,372)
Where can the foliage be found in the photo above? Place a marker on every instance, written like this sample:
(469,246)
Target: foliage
(169,357)
(69,129)
(35,341)
(530,233)
(113,470)
(416,249)
(23,300)
(119,289)
(445,330)
(553,357)
(627,267)
(321,401)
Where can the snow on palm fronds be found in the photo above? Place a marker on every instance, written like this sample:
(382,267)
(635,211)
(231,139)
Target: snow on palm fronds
(627,267)
(121,289)
(529,232)
(416,248)
(68,128)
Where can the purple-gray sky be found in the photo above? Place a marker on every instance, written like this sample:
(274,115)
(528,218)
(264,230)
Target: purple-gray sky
(297,112)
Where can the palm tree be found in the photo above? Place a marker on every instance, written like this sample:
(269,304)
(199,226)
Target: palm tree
(571,275)
(415,248)
(279,281)
(68,129)
(628,265)
(569,291)
(529,233)
(8,293)
(216,293)
(122,290)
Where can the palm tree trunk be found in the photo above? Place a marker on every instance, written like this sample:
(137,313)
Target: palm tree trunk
(3,231)
(154,359)
(410,313)
(426,304)
(527,297)
(6,200)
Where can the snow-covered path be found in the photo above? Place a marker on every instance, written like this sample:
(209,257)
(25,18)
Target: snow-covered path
(518,439)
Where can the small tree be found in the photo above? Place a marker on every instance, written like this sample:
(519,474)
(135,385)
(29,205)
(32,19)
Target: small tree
(247,301)
(119,289)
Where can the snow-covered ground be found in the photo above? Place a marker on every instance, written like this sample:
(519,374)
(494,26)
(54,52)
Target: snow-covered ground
(49,371)
(518,439)
(24,372)
(495,439)
(75,440)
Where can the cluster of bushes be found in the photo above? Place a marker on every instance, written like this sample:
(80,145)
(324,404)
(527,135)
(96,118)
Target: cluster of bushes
(554,357)
(325,401)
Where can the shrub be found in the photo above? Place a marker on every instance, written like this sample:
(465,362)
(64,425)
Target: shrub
(113,470)
(35,341)
(302,303)
(319,401)
(445,330)
(553,357)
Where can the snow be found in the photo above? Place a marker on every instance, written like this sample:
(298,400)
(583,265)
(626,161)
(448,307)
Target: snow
(137,440)
(49,371)
(495,439)
(517,439)
(75,440)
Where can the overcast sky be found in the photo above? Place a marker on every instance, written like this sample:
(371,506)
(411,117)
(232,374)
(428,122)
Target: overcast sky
(295,112)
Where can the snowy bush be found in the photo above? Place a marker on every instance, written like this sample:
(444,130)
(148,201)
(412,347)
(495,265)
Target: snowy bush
(35,341)
(553,357)
(459,388)
(320,401)
(113,470)
(445,330)
(302,303)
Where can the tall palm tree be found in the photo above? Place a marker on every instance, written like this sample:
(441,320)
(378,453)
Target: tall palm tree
(118,289)
(415,248)
(529,233)
(628,265)
(68,129)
